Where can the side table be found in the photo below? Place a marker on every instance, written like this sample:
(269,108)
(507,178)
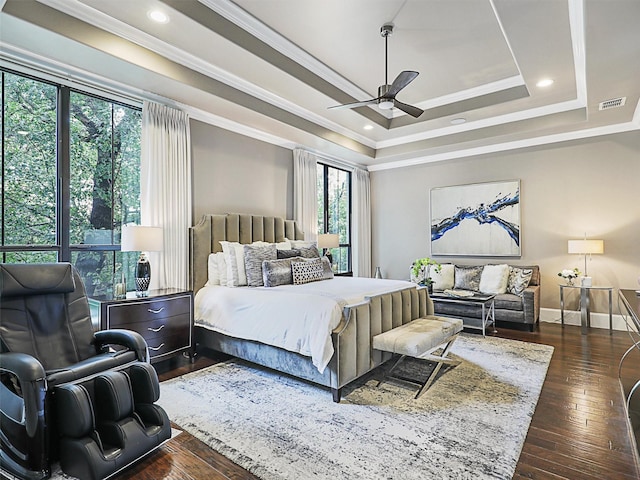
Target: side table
(585,309)
(164,318)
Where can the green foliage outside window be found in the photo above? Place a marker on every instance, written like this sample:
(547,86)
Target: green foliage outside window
(81,222)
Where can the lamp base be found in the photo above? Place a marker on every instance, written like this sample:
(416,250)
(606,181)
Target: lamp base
(143,276)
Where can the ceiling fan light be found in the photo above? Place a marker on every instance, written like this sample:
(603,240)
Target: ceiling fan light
(385,104)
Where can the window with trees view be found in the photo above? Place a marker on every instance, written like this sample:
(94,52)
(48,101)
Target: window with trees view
(334,212)
(70,178)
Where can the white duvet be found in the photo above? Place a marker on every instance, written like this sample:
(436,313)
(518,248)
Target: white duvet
(298,318)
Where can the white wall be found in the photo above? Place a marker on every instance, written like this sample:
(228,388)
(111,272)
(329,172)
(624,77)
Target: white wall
(237,174)
(567,189)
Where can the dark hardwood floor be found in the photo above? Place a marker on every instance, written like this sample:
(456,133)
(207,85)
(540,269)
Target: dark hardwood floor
(579,429)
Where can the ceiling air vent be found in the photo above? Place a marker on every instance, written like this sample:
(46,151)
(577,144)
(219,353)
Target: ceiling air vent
(613,103)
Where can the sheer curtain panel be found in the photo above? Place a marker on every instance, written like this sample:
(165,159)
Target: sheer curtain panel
(165,188)
(361,228)
(305,192)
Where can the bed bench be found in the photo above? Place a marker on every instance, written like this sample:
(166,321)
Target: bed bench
(420,338)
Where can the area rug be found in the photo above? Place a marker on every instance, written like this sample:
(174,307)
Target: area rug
(471,424)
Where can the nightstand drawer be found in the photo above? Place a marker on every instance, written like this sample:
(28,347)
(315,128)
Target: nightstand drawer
(165,345)
(157,327)
(124,315)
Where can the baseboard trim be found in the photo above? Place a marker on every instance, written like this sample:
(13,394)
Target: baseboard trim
(571,317)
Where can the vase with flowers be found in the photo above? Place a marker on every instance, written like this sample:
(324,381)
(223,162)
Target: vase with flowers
(569,275)
(421,269)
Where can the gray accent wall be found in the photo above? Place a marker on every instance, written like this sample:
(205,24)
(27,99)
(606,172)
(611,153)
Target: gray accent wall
(567,189)
(233,173)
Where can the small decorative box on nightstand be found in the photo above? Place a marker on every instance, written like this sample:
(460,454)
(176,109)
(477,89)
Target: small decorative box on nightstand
(164,318)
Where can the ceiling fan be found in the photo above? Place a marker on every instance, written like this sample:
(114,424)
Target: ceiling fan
(386,98)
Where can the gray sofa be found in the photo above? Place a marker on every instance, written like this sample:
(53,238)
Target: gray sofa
(510,309)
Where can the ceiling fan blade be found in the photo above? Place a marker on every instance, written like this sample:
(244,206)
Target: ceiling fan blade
(355,104)
(403,79)
(410,109)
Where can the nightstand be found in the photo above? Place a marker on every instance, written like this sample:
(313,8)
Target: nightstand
(164,318)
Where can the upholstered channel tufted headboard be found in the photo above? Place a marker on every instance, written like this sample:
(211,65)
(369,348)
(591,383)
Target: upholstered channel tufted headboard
(204,238)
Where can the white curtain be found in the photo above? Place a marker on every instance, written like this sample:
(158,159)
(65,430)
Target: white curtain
(165,187)
(361,228)
(305,193)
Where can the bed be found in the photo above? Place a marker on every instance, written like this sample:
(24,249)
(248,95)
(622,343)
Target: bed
(348,354)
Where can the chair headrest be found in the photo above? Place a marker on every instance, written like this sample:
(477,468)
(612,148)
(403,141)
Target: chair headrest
(20,279)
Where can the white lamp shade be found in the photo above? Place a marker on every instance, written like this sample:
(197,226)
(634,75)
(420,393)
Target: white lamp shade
(583,247)
(141,238)
(328,240)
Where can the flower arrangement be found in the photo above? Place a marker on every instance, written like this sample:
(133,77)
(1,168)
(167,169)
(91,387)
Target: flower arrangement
(569,275)
(420,263)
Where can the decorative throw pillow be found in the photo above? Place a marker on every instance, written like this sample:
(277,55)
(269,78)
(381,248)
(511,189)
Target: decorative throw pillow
(309,252)
(234,256)
(277,272)
(306,271)
(300,243)
(494,278)
(467,278)
(254,255)
(327,271)
(293,252)
(443,280)
(519,279)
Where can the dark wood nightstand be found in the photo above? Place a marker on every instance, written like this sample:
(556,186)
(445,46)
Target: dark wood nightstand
(164,318)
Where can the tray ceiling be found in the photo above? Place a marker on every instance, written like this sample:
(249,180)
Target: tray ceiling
(270,68)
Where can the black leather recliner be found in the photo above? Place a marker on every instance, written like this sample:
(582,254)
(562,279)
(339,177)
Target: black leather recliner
(68,393)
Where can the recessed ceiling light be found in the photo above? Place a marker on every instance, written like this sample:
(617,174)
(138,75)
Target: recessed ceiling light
(368,127)
(458,121)
(545,82)
(158,16)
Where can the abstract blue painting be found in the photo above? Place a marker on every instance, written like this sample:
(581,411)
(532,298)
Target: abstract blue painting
(477,219)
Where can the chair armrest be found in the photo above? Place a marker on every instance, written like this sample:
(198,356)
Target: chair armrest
(127,338)
(31,375)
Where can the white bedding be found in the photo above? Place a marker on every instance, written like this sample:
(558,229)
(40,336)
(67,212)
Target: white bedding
(298,318)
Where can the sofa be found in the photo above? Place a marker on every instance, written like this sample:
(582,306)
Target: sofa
(517,290)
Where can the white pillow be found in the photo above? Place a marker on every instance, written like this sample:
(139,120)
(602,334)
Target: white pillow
(494,279)
(286,245)
(443,280)
(300,244)
(212,268)
(222,268)
(234,256)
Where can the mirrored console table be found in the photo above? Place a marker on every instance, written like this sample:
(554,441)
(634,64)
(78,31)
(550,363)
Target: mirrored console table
(585,305)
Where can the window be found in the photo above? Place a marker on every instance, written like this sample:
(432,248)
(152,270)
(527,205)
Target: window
(334,212)
(67,203)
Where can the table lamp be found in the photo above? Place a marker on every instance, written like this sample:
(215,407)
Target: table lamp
(586,247)
(141,238)
(327,241)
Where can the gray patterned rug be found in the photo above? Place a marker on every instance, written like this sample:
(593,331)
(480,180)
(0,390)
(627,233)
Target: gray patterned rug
(471,424)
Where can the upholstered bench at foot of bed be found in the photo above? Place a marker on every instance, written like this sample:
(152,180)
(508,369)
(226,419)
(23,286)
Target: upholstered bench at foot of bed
(419,339)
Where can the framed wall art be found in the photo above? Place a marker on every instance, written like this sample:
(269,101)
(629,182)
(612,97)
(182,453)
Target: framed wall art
(481,219)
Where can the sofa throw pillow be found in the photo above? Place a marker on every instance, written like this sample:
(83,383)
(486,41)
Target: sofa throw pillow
(467,278)
(277,272)
(292,252)
(444,279)
(306,271)
(254,255)
(494,279)
(519,279)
